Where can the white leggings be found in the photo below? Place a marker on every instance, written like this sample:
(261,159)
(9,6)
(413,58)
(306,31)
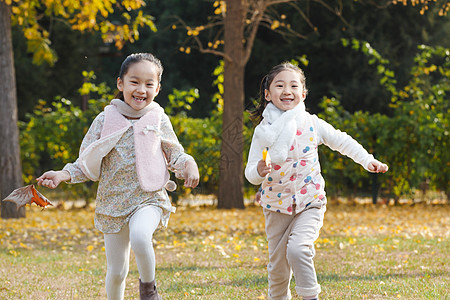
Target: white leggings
(138,234)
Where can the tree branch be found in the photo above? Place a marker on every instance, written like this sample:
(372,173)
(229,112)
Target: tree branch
(304,16)
(199,43)
(275,2)
(256,20)
(335,11)
(211,51)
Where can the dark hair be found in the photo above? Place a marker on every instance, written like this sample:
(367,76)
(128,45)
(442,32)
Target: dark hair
(135,58)
(256,115)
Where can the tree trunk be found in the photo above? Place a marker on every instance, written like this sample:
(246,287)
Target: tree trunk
(10,166)
(231,161)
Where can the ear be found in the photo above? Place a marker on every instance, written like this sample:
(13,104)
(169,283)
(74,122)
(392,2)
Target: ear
(267,95)
(158,89)
(119,84)
(303,95)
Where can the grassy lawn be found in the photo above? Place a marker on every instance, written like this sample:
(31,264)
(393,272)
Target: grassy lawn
(364,252)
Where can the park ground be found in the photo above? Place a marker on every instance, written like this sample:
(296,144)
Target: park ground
(363,252)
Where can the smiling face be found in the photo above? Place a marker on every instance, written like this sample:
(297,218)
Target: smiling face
(286,90)
(140,84)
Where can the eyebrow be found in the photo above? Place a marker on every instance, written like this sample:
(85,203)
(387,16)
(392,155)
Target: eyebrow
(136,77)
(279,80)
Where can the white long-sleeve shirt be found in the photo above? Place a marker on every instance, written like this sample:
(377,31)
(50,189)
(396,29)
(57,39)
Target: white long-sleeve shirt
(296,183)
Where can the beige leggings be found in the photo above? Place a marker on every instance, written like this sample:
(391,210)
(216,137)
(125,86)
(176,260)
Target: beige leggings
(291,250)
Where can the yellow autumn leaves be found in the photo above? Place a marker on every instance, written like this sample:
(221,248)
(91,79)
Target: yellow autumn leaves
(57,229)
(220,7)
(443,11)
(276,23)
(225,233)
(82,16)
(206,253)
(228,232)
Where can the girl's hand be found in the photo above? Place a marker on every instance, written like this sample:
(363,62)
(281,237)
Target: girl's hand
(258,197)
(191,175)
(376,166)
(263,168)
(52,179)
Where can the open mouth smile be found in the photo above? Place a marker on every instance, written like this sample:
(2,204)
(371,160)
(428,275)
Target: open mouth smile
(139,99)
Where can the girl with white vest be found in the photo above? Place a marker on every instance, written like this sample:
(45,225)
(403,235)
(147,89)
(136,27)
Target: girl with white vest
(129,148)
(284,159)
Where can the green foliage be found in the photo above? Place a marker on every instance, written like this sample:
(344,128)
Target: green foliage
(387,76)
(181,100)
(420,138)
(342,175)
(201,139)
(414,139)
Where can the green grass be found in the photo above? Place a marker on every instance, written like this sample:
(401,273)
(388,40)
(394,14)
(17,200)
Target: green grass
(364,252)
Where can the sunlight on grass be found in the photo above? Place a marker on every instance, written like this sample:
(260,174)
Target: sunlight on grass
(364,252)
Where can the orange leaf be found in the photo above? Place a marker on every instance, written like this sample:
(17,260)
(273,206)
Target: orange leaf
(27,195)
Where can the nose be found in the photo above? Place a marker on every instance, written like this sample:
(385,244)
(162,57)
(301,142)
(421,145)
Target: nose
(141,88)
(286,90)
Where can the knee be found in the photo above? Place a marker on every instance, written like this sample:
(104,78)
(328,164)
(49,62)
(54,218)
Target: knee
(300,253)
(140,243)
(116,278)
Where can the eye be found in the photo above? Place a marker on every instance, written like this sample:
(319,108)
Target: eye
(134,82)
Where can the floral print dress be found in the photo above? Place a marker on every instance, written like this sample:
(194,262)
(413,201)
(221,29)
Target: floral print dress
(119,193)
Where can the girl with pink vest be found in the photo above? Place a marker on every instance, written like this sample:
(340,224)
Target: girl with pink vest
(293,190)
(129,148)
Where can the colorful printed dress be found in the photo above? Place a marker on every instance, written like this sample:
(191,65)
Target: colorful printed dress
(119,193)
(295,181)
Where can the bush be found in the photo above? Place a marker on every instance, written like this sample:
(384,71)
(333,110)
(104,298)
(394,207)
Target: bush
(414,139)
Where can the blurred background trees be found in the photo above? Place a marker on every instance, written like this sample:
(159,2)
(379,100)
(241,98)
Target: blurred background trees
(367,73)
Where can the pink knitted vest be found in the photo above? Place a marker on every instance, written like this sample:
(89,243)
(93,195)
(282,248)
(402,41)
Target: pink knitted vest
(151,165)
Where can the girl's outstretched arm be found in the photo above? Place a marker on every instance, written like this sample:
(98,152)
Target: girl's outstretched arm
(52,179)
(340,141)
